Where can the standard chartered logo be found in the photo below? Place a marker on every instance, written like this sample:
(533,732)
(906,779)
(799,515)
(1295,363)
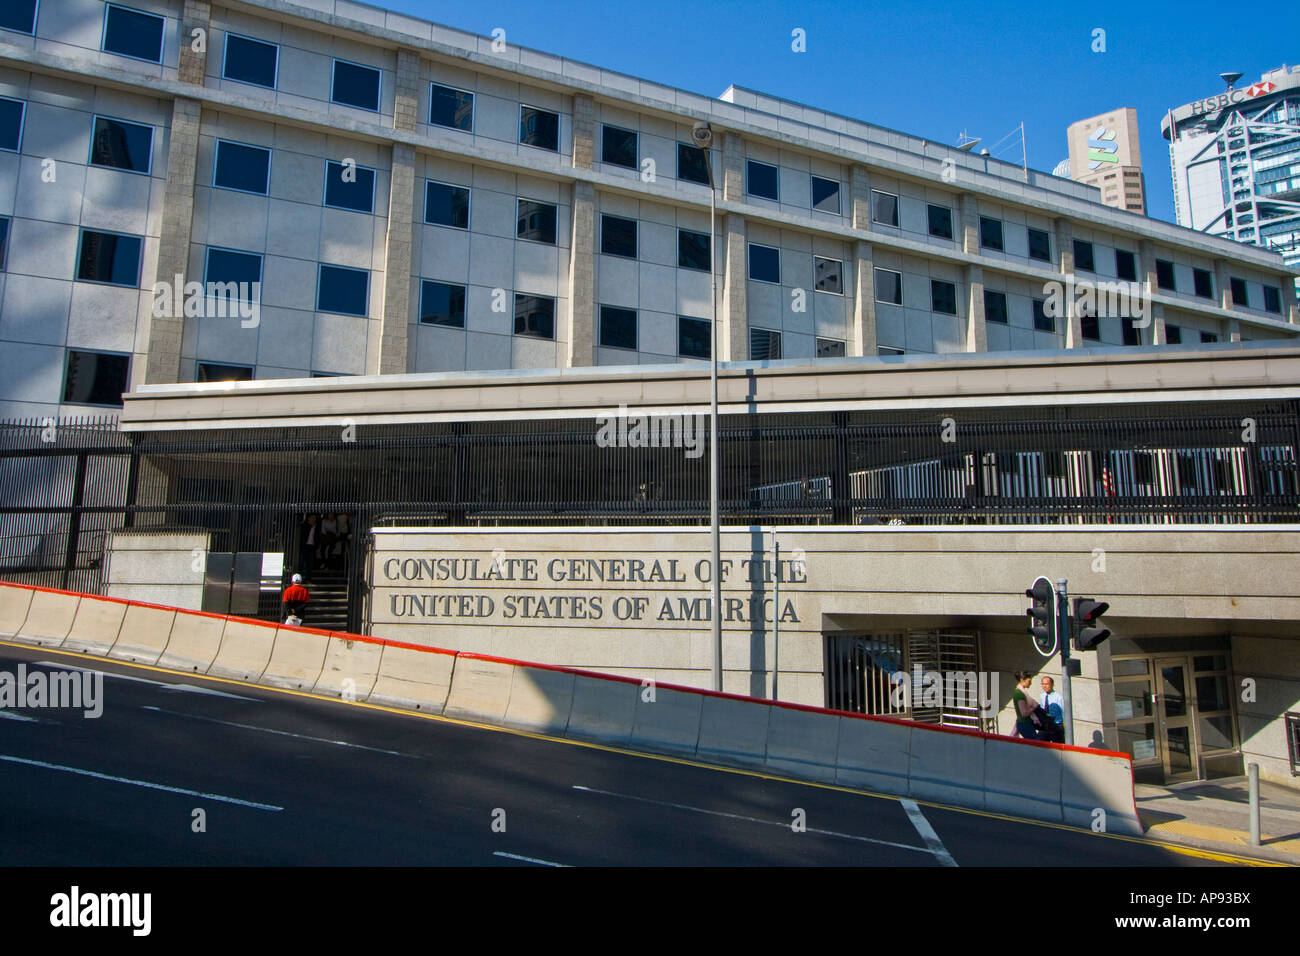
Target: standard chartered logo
(1102,148)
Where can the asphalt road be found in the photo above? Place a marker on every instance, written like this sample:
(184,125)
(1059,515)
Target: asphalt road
(285,779)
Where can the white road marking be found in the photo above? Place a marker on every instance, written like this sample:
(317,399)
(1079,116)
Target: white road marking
(186,688)
(927,833)
(10,715)
(141,783)
(528,859)
(770,823)
(282,733)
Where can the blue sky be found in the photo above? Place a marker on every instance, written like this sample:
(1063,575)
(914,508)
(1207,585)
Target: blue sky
(929,69)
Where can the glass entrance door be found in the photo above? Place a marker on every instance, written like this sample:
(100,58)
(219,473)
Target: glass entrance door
(1175,719)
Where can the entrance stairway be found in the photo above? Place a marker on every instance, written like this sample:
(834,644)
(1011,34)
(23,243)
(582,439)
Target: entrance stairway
(328,608)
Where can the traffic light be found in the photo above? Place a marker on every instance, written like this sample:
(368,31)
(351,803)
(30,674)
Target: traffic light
(1042,616)
(1088,629)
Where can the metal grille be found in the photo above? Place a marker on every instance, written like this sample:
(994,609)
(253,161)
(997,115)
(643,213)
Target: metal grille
(864,674)
(1293,742)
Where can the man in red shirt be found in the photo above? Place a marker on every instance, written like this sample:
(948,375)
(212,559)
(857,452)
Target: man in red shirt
(294,601)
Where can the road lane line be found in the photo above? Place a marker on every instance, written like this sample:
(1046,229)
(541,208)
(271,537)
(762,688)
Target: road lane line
(738,816)
(528,859)
(186,688)
(927,833)
(282,733)
(141,783)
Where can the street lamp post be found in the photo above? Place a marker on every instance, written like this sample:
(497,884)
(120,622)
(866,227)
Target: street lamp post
(703,136)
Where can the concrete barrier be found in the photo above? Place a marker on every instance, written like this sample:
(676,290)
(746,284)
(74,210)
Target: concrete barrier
(49,618)
(540,699)
(245,650)
(1022,781)
(947,766)
(14,603)
(350,667)
(802,743)
(733,730)
(144,633)
(670,722)
(603,709)
(480,689)
(1098,780)
(194,641)
(97,625)
(297,658)
(873,755)
(414,678)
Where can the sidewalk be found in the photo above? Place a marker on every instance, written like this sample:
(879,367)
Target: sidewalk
(1215,815)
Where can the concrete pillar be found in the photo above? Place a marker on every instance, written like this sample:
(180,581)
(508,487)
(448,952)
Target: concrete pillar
(395,319)
(1158,325)
(163,362)
(581,347)
(968,223)
(584,132)
(1092,698)
(406,101)
(977,337)
(733,168)
(1224,281)
(1290,307)
(1147,266)
(733,334)
(1234,330)
(860,197)
(197,15)
(862,334)
(1069,322)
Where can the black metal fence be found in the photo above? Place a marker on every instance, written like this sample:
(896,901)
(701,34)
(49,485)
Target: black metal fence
(66,485)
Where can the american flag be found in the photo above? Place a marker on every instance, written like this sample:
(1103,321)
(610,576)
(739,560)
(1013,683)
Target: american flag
(1107,483)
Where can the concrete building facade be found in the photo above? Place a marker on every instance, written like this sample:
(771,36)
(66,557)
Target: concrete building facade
(411,198)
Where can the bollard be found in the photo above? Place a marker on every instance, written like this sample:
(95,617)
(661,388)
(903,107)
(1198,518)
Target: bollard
(1254,804)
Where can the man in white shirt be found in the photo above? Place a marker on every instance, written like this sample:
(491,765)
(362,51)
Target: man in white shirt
(1054,704)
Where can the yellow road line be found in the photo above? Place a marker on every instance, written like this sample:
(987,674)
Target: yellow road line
(682,761)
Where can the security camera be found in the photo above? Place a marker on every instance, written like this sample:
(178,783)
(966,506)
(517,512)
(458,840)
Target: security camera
(702,133)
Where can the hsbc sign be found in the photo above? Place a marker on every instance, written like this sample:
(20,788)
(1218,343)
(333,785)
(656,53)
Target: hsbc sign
(1215,103)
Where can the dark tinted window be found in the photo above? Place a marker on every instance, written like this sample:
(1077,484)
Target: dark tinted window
(1132,334)
(617,327)
(990,233)
(1203,283)
(828,275)
(18,15)
(825,194)
(11,124)
(349,187)
(830,348)
(212,372)
(764,263)
(1091,327)
(342,291)
(762,180)
(1165,275)
(134,34)
(940,221)
(355,85)
(1040,245)
(108,257)
(618,146)
(225,265)
(246,168)
(4,240)
(442,304)
(1042,321)
(618,236)
(995,307)
(446,205)
(943,297)
(451,108)
(1272,299)
(1173,334)
(1083,259)
(693,250)
(693,338)
(1239,295)
(536,221)
(884,208)
(692,165)
(889,286)
(1126,265)
(121,145)
(764,344)
(888,350)
(1209,336)
(539,128)
(95,378)
(535,316)
(251,61)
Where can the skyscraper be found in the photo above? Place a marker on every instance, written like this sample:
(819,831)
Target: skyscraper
(1104,152)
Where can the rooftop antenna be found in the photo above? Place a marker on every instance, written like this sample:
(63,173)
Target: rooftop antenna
(1230,78)
(965,143)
